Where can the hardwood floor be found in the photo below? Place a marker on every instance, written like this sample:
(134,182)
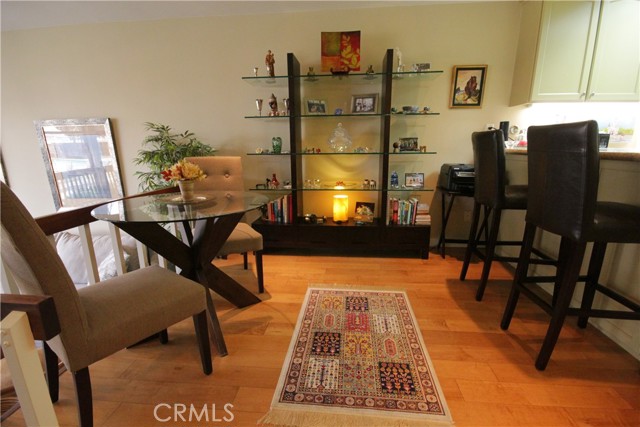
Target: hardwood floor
(487,375)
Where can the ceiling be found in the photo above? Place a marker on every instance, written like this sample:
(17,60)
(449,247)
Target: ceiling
(20,15)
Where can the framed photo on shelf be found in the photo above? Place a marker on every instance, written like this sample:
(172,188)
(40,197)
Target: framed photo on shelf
(409,144)
(316,106)
(414,180)
(364,212)
(467,86)
(364,104)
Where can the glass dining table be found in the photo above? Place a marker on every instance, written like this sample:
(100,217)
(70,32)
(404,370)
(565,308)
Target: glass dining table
(203,226)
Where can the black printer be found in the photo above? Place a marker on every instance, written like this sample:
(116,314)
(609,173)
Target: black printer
(457,177)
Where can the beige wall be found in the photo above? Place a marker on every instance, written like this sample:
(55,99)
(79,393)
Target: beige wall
(187,73)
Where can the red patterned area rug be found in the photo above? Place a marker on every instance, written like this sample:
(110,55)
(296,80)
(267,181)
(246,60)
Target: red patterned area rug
(357,358)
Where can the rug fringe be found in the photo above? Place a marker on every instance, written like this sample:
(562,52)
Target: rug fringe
(287,418)
(371,288)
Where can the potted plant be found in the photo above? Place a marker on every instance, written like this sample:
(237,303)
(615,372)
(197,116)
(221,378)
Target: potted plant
(163,149)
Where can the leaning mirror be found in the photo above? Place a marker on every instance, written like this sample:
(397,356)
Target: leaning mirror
(81,161)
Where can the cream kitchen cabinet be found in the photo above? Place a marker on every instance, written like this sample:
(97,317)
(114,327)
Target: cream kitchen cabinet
(578,51)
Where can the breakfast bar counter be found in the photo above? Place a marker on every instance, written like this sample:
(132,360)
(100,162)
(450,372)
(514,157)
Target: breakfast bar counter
(608,154)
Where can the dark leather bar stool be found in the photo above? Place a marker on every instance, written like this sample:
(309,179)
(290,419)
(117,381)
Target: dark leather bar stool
(563,185)
(492,195)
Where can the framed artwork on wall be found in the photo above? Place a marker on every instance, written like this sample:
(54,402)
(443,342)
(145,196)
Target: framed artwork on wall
(467,86)
(340,51)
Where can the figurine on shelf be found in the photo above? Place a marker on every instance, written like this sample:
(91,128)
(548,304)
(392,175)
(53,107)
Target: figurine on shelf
(255,71)
(273,104)
(274,182)
(400,64)
(269,61)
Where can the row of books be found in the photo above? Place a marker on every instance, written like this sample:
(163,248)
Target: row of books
(408,212)
(280,210)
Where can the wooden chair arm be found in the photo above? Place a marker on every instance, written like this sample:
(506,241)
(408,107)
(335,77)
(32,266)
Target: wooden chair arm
(40,310)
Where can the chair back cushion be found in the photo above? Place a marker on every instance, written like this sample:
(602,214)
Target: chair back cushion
(38,270)
(563,165)
(489,164)
(223,173)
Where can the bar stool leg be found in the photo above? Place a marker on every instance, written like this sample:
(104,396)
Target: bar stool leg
(593,274)
(520,275)
(570,273)
(563,253)
(471,244)
(490,252)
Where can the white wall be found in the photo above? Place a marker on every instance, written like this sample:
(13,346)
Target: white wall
(187,73)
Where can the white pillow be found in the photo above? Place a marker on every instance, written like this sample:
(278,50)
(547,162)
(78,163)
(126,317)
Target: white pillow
(69,247)
(107,268)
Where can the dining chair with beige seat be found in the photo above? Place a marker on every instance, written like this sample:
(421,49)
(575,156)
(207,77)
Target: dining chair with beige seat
(225,173)
(101,319)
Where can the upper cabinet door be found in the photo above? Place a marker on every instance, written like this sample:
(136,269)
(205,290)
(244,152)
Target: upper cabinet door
(616,65)
(565,50)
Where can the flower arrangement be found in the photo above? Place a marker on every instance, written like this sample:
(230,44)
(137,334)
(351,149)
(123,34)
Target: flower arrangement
(183,171)
(364,210)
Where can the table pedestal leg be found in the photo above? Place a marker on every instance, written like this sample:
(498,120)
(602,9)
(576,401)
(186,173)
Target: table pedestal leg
(214,323)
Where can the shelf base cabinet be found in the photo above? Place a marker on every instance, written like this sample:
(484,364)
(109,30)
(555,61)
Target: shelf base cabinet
(346,236)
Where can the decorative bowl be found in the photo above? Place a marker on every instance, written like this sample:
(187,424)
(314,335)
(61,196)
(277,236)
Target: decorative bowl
(410,109)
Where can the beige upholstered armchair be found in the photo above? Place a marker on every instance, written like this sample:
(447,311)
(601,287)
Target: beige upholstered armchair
(100,319)
(225,173)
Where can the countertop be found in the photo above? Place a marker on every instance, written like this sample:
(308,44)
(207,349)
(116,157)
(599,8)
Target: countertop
(631,156)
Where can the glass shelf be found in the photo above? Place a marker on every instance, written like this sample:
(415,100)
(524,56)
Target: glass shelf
(331,153)
(427,75)
(413,114)
(407,153)
(334,116)
(378,190)
(325,116)
(408,190)
(351,78)
(267,117)
(266,81)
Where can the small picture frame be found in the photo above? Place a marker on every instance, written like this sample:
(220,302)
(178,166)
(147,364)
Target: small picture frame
(364,104)
(414,180)
(364,212)
(409,144)
(316,106)
(421,67)
(467,86)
